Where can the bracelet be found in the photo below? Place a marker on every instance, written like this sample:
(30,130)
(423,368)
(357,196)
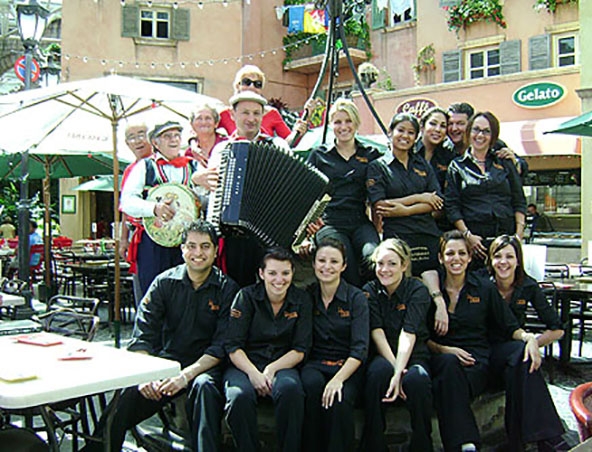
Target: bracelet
(435,294)
(185,379)
(466,233)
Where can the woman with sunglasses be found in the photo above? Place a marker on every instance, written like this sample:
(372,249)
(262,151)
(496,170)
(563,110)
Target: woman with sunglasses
(345,218)
(251,78)
(398,328)
(460,359)
(530,413)
(484,196)
(331,377)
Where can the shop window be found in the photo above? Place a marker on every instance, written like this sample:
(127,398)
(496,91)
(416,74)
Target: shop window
(390,13)
(483,63)
(565,50)
(155,24)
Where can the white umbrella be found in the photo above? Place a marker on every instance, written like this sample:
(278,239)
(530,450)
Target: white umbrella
(84,116)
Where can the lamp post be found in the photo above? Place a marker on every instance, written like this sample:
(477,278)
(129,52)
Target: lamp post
(31,18)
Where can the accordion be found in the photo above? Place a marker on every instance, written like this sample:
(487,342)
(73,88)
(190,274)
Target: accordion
(268,193)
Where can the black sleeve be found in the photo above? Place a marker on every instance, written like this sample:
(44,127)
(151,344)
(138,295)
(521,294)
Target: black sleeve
(545,311)
(376,181)
(452,194)
(418,305)
(518,199)
(302,339)
(376,317)
(227,293)
(150,319)
(501,312)
(360,327)
(239,324)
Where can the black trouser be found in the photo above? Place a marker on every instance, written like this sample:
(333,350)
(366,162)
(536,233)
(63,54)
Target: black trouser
(454,386)
(530,412)
(133,408)
(360,239)
(417,386)
(153,259)
(332,429)
(241,409)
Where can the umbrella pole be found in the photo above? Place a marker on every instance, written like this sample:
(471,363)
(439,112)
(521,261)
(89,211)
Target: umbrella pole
(116,232)
(47,233)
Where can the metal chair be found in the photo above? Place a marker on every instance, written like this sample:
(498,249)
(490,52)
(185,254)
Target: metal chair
(37,269)
(79,304)
(557,271)
(21,440)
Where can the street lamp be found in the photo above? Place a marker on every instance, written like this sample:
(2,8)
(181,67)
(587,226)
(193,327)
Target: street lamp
(32,18)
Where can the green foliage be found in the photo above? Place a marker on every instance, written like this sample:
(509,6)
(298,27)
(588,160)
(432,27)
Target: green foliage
(550,5)
(470,11)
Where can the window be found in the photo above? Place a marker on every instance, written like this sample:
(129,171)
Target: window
(154,24)
(565,50)
(392,13)
(484,63)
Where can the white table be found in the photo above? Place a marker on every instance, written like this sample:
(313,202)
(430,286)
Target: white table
(8,299)
(108,369)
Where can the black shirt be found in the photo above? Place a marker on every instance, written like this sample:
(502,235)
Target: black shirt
(388,179)
(480,309)
(347,180)
(178,322)
(342,330)
(526,293)
(407,311)
(263,336)
(483,199)
(441,158)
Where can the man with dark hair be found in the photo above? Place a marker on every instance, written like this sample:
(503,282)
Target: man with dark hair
(183,317)
(536,222)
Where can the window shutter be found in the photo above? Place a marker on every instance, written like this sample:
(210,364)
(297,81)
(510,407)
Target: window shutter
(539,52)
(181,24)
(451,66)
(378,16)
(510,57)
(130,21)
(448,3)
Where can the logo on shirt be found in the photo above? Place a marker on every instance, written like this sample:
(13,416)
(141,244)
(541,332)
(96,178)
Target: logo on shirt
(291,315)
(361,159)
(498,166)
(521,301)
(420,172)
(370,183)
(213,307)
(401,307)
(472,299)
(367,294)
(441,167)
(235,313)
(342,313)
(146,300)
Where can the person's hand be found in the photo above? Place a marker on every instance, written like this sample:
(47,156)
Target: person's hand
(311,105)
(207,179)
(391,209)
(171,386)
(164,211)
(261,384)
(123,247)
(269,375)
(532,352)
(150,390)
(476,245)
(433,200)
(305,248)
(314,227)
(507,154)
(395,388)
(332,390)
(441,319)
(300,127)
(465,358)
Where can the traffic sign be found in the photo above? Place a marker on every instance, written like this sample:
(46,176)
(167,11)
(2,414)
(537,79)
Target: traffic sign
(20,68)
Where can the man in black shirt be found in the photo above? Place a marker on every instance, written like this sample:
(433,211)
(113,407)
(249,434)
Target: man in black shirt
(183,317)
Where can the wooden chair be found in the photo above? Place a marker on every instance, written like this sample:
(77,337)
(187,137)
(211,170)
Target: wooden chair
(37,269)
(580,402)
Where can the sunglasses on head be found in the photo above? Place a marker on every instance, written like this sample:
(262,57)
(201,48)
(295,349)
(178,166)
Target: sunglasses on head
(248,82)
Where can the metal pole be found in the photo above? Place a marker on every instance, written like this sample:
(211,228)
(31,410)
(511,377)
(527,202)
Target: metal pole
(23,217)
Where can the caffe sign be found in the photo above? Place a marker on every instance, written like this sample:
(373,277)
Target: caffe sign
(539,95)
(416,107)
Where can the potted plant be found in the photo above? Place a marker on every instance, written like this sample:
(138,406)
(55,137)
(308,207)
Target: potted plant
(470,11)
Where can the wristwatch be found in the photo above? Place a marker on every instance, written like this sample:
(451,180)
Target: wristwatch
(435,294)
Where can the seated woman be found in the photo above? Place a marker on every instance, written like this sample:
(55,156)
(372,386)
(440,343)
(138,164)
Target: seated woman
(346,163)
(484,196)
(530,413)
(331,377)
(460,360)
(398,327)
(270,331)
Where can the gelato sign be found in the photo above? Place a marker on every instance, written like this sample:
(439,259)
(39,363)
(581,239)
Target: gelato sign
(416,107)
(539,95)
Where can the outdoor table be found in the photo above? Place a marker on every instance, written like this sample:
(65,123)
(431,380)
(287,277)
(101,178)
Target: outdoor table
(94,271)
(55,378)
(568,292)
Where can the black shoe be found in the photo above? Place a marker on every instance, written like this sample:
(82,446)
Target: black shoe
(559,443)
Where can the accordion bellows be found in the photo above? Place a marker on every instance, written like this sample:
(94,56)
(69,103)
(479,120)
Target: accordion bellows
(266,192)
